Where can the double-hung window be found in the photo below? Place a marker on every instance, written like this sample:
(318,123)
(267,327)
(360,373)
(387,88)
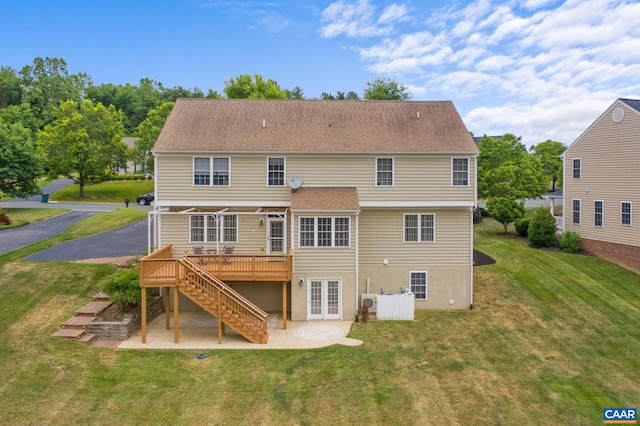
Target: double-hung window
(384,171)
(460,171)
(576,212)
(577,168)
(419,227)
(418,283)
(275,171)
(205,228)
(625,213)
(324,232)
(209,171)
(598,213)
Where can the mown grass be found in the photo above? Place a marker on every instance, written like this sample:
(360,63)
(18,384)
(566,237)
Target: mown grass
(21,217)
(105,192)
(553,339)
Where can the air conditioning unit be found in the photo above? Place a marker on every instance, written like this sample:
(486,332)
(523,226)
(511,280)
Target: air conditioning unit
(370,301)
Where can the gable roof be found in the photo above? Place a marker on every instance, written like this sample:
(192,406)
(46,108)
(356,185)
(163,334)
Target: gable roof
(631,103)
(244,125)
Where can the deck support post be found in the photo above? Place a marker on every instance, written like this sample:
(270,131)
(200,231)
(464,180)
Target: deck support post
(143,308)
(167,307)
(176,332)
(284,305)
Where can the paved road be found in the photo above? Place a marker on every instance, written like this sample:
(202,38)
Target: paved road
(125,241)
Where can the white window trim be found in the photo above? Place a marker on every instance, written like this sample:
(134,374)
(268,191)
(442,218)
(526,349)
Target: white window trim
(220,231)
(193,171)
(315,232)
(426,283)
(630,213)
(579,212)
(420,240)
(393,172)
(284,172)
(573,168)
(468,173)
(594,213)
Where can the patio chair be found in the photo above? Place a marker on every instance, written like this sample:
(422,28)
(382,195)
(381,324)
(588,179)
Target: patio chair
(212,251)
(198,250)
(227,250)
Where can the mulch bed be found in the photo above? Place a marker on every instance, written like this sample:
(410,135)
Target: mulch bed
(480,258)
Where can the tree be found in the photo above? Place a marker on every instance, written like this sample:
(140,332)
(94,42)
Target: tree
(246,87)
(84,140)
(339,96)
(506,169)
(542,229)
(21,114)
(505,210)
(147,133)
(549,153)
(385,89)
(47,82)
(295,93)
(20,165)
(10,89)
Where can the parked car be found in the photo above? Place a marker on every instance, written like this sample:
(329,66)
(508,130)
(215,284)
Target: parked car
(145,199)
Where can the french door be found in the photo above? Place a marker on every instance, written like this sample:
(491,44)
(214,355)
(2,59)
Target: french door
(324,299)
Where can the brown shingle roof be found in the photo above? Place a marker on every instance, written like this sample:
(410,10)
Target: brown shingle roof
(243,125)
(325,198)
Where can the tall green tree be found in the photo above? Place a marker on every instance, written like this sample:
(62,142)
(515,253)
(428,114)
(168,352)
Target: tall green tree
(386,89)
(147,134)
(549,153)
(47,82)
(10,88)
(339,96)
(83,142)
(257,87)
(20,165)
(21,114)
(506,169)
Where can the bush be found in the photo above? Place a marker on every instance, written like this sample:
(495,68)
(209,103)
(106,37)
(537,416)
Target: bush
(522,226)
(570,242)
(542,229)
(124,289)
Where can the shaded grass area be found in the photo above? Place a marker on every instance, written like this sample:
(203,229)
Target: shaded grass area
(21,217)
(105,192)
(554,338)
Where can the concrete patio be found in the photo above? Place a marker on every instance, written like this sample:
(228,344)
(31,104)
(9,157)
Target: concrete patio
(198,331)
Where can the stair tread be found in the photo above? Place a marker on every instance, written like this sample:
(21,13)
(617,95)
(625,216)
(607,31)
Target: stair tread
(87,338)
(93,308)
(69,333)
(101,297)
(78,321)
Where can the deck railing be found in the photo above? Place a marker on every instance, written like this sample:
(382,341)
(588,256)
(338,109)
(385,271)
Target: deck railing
(158,269)
(246,267)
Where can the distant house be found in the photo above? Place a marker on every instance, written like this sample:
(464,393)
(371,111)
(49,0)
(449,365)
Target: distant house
(602,185)
(305,207)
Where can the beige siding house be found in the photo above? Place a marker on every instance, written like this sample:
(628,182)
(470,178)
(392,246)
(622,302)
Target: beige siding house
(602,185)
(364,196)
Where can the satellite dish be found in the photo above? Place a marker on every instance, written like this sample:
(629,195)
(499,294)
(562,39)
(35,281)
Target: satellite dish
(295,182)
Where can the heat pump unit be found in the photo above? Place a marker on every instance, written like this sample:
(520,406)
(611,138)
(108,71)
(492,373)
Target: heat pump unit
(370,301)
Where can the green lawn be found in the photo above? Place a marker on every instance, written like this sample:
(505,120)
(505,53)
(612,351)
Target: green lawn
(105,192)
(553,339)
(21,217)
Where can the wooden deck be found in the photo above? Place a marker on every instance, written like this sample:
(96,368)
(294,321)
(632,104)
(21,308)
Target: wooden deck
(160,269)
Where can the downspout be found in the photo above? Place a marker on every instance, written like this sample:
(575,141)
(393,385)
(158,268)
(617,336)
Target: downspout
(357,259)
(475,203)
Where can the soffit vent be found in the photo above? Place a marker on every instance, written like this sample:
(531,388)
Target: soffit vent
(618,115)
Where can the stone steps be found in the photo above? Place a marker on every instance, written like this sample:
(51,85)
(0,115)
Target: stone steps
(75,327)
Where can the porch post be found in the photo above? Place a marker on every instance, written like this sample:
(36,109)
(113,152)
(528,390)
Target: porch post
(167,307)
(176,333)
(284,305)
(143,308)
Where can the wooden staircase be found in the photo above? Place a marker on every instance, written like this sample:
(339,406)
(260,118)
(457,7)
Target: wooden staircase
(75,328)
(224,303)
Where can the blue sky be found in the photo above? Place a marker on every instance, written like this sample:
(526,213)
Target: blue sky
(541,69)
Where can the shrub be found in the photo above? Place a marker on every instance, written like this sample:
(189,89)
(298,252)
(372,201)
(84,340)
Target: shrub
(542,229)
(570,242)
(522,226)
(505,210)
(124,289)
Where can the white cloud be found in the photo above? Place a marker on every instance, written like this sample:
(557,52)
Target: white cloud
(354,19)
(394,12)
(542,74)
